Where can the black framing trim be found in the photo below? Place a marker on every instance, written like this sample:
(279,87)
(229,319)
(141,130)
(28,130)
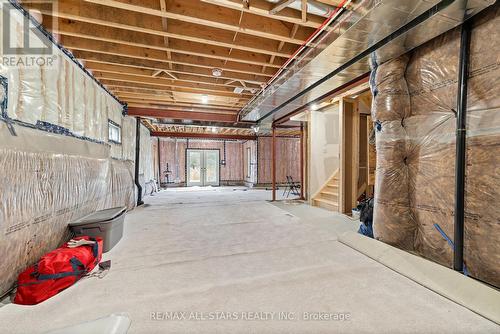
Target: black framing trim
(186,162)
(461,147)
(137,160)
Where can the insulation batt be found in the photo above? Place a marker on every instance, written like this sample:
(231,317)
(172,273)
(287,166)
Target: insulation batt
(414,195)
(49,180)
(48,188)
(390,106)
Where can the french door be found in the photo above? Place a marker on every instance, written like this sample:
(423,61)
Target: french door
(202,167)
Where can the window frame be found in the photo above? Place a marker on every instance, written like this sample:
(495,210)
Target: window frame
(114,125)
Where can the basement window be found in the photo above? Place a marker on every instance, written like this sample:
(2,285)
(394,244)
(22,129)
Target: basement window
(114,132)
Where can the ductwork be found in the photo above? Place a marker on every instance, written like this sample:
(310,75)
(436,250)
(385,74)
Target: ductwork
(314,7)
(378,29)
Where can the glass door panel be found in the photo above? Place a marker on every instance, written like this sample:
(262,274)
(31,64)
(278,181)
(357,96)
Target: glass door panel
(202,167)
(211,168)
(194,168)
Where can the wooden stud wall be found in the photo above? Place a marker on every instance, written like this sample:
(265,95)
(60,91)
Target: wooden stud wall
(232,171)
(288,157)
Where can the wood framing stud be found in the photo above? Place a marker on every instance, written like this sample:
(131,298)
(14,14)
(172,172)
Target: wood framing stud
(281,5)
(304,10)
(273,163)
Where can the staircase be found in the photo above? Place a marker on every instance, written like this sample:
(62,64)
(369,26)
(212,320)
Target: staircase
(328,197)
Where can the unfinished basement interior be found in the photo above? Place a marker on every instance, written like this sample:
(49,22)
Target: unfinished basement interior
(249,166)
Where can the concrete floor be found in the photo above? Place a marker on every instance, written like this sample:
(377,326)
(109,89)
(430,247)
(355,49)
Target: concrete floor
(230,254)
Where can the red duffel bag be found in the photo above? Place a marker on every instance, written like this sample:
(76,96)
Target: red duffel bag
(56,271)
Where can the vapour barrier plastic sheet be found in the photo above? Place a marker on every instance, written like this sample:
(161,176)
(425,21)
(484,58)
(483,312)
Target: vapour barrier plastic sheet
(48,181)
(415,177)
(55,90)
(482,209)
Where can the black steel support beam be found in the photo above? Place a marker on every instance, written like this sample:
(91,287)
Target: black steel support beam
(137,160)
(461,137)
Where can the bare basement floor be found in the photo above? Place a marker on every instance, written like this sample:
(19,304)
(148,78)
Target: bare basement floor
(230,254)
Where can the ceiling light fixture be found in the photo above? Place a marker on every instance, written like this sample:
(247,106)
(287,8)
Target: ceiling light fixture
(214,130)
(217,72)
(204,99)
(314,107)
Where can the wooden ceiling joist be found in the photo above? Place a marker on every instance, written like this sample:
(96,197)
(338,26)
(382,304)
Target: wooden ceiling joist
(157,55)
(161,104)
(141,40)
(204,14)
(202,135)
(168,83)
(183,110)
(165,54)
(116,69)
(196,92)
(187,115)
(186,106)
(127,62)
(263,8)
(220,102)
(303,6)
(167,100)
(282,4)
(90,14)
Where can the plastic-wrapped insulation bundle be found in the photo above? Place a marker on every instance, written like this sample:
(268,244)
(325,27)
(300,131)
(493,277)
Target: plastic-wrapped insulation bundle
(390,107)
(50,178)
(53,181)
(432,80)
(414,199)
(482,209)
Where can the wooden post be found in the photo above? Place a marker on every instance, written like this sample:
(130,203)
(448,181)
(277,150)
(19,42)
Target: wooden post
(301,161)
(159,164)
(274,163)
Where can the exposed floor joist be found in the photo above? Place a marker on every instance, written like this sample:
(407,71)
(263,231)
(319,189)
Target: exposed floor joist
(181,30)
(141,40)
(202,14)
(174,114)
(93,58)
(164,82)
(263,8)
(165,53)
(115,49)
(163,74)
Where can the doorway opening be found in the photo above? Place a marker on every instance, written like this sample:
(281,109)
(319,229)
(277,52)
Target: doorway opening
(357,156)
(202,167)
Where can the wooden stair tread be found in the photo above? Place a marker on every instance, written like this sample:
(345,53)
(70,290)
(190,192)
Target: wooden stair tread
(326,201)
(326,192)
